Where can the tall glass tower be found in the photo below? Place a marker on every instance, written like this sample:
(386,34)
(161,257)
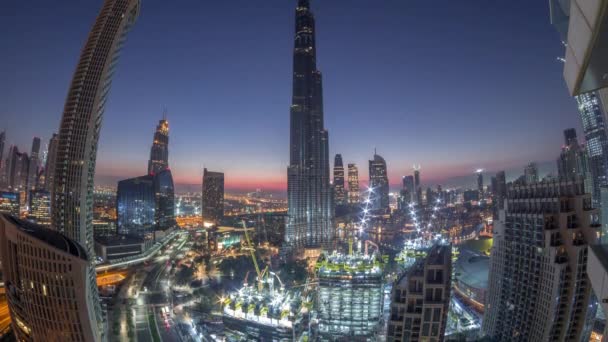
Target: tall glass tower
(159,153)
(310,214)
(594,128)
(339,190)
(72,195)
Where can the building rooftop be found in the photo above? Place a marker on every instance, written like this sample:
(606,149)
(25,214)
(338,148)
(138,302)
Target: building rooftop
(50,237)
(342,264)
(118,240)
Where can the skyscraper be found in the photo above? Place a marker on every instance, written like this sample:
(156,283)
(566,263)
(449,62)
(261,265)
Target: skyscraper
(408,186)
(531,173)
(417,186)
(45,275)
(339,190)
(34,165)
(2,141)
(17,169)
(538,285)
(159,153)
(573,161)
(594,128)
(49,168)
(40,207)
(353,184)
(136,207)
(10,203)
(421,297)
(213,196)
(500,193)
(310,213)
(72,200)
(378,182)
(165,200)
(480,182)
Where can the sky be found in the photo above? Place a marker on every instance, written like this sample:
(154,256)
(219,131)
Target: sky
(451,85)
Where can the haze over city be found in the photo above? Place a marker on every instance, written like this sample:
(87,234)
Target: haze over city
(415,80)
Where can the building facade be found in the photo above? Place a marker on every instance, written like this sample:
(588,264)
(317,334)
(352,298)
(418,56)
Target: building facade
(378,182)
(40,207)
(10,203)
(420,299)
(34,165)
(538,285)
(164,191)
(339,189)
(213,196)
(353,185)
(49,168)
(417,185)
(573,161)
(44,273)
(350,296)
(73,184)
(159,153)
(136,207)
(310,208)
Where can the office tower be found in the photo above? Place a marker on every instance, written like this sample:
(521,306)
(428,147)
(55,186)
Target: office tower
(480,182)
(531,173)
(431,197)
(573,161)
(72,194)
(594,129)
(353,184)
(34,165)
(213,196)
(10,203)
(49,168)
(538,285)
(408,185)
(44,274)
(17,169)
(417,186)
(378,182)
(40,207)
(500,193)
(136,207)
(339,190)
(165,200)
(310,212)
(159,153)
(350,296)
(2,141)
(420,298)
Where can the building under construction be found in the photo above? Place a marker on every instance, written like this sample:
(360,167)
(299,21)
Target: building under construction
(350,296)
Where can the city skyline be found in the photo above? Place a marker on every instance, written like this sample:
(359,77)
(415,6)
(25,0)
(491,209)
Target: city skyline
(201,116)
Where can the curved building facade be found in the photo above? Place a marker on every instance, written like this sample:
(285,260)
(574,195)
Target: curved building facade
(44,274)
(72,194)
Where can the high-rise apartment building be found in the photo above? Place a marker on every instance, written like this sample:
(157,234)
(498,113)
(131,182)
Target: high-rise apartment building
(49,168)
(40,207)
(378,182)
(538,284)
(350,297)
(45,274)
(353,184)
(34,165)
(573,162)
(310,208)
(339,190)
(531,173)
(72,194)
(159,153)
(213,196)
(420,299)
(417,186)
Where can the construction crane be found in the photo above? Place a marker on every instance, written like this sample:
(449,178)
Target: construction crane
(255,261)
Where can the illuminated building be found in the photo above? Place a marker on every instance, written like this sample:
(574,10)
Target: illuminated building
(49,168)
(353,184)
(17,169)
(378,181)
(350,295)
(45,274)
(73,183)
(310,213)
(40,207)
(339,190)
(471,282)
(500,193)
(409,188)
(159,153)
(164,191)
(33,165)
(480,182)
(136,207)
(2,141)
(9,203)
(213,196)
(114,247)
(538,284)
(573,161)
(420,299)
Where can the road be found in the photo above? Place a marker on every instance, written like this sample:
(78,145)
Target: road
(5,318)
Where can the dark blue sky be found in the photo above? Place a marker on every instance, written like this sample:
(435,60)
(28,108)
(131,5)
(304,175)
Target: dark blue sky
(451,85)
